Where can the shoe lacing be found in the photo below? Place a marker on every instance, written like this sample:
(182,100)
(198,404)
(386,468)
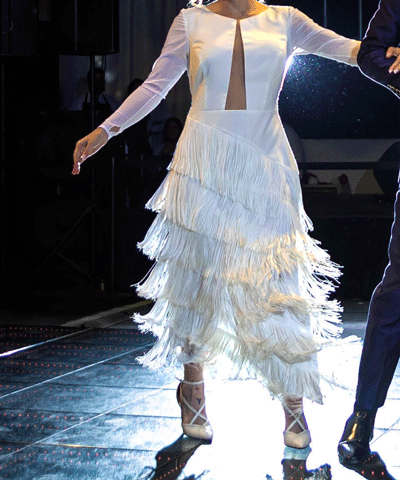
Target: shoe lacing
(197,413)
(296,411)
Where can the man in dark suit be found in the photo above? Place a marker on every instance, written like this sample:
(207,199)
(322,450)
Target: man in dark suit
(381,349)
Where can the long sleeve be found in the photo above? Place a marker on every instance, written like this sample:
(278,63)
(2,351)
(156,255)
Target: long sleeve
(383,32)
(167,70)
(305,36)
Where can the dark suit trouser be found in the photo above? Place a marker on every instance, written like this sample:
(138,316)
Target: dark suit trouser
(381,349)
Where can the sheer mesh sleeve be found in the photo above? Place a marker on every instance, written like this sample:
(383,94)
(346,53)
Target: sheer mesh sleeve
(305,36)
(167,70)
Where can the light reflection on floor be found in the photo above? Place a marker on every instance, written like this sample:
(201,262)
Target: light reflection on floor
(98,415)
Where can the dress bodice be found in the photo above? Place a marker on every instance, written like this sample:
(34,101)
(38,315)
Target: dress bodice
(265,45)
(201,42)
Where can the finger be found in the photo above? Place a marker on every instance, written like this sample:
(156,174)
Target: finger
(391,51)
(395,65)
(79,156)
(77,164)
(76,168)
(87,147)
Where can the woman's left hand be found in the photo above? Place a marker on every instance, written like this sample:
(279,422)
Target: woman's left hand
(394,52)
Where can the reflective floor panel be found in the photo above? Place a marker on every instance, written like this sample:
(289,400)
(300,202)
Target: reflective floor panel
(84,408)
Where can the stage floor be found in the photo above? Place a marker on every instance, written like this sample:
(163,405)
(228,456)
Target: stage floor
(77,405)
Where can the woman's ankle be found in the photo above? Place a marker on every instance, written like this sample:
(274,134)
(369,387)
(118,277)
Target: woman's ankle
(295,420)
(193,372)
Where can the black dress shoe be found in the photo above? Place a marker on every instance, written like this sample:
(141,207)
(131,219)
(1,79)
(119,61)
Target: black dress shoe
(353,448)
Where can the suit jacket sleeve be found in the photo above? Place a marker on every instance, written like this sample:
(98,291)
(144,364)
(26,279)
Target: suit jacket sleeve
(383,32)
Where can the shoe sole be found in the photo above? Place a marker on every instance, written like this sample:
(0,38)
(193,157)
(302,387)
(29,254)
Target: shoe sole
(359,465)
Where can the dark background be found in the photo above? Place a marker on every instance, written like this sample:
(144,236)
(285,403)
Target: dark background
(41,202)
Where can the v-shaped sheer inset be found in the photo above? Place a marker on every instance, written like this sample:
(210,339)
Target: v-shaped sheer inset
(236,96)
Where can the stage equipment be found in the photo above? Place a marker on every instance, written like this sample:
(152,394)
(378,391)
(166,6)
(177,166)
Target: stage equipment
(86,28)
(93,209)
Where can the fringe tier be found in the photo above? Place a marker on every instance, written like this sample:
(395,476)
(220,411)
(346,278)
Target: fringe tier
(236,272)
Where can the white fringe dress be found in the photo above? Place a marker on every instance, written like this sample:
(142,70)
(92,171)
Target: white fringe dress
(236,273)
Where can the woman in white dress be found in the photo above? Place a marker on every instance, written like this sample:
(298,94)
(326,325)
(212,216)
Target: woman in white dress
(236,272)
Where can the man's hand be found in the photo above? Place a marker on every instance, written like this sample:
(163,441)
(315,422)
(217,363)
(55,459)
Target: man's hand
(394,52)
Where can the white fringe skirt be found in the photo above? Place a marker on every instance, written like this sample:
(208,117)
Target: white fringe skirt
(236,273)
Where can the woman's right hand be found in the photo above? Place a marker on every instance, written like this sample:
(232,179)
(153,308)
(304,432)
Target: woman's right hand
(88,146)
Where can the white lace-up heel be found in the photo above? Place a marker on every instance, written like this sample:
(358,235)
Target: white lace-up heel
(292,439)
(202,432)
